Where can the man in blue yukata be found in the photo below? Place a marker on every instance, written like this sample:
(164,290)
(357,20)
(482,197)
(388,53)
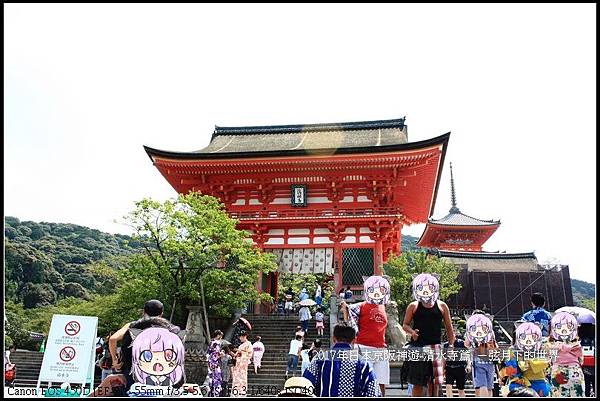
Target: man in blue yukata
(336,373)
(538,314)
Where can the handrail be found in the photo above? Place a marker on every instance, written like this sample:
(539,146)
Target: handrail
(328,212)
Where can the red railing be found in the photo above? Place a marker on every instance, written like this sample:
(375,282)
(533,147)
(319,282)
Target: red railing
(314,213)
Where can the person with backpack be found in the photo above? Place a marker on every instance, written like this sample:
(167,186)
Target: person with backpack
(480,337)
(318,295)
(348,295)
(10,369)
(281,307)
(455,369)
(304,316)
(319,318)
(105,361)
(289,301)
(120,383)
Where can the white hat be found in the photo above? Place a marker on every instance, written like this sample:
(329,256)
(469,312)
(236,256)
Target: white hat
(297,387)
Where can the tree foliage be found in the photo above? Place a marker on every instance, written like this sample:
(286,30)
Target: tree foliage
(589,303)
(192,238)
(401,269)
(36,295)
(55,254)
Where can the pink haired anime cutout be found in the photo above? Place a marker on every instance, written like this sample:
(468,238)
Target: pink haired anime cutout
(157,353)
(377,290)
(563,327)
(426,288)
(528,337)
(479,329)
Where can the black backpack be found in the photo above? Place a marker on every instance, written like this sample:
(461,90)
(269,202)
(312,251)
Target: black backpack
(106,360)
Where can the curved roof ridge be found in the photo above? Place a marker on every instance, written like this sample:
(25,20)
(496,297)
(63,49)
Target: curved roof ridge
(278,129)
(316,151)
(484,254)
(457,218)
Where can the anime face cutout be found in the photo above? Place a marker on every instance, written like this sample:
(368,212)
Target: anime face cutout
(479,329)
(159,353)
(377,290)
(563,327)
(426,288)
(529,337)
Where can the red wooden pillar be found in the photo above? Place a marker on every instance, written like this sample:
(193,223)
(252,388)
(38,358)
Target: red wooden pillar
(260,243)
(276,274)
(378,256)
(337,262)
(400,239)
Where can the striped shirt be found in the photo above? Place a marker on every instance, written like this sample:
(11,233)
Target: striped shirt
(337,376)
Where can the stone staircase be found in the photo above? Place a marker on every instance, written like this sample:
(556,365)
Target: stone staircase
(28,367)
(277,332)
(29,364)
(469,390)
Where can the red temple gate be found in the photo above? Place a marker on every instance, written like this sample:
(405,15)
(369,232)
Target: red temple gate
(325,198)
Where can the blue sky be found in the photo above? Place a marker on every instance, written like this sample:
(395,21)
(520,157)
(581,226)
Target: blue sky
(87,85)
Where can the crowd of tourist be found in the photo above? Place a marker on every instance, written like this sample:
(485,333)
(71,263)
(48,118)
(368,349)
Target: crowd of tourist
(546,357)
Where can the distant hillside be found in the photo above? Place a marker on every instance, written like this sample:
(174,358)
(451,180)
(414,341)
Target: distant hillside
(45,262)
(409,243)
(583,292)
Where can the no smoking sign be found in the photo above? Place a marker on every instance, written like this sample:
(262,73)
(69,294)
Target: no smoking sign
(67,354)
(72,328)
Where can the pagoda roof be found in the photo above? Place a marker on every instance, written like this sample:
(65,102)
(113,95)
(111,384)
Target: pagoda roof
(492,261)
(456,218)
(308,139)
(485,255)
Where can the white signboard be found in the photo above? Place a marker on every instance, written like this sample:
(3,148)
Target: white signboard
(70,350)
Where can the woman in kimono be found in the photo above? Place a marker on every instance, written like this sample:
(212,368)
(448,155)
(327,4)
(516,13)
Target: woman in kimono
(259,349)
(239,386)
(567,375)
(214,365)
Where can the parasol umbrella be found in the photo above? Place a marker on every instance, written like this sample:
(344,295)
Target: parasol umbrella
(307,302)
(246,322)
(583,315)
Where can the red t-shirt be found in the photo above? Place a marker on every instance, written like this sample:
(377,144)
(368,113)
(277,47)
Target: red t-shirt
(372,322)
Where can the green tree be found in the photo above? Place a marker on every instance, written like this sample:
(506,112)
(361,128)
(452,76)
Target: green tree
(35,295)
(401,269)
(194,245)
(15,326)
(75,290)
(26,264)
(589,303)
